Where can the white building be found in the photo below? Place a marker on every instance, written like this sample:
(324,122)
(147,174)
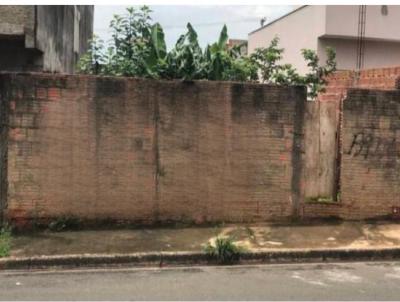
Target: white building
(318,26)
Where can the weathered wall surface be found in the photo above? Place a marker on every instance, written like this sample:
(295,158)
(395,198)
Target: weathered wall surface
(63,32)
(321,150)
(227,148)
(158,151)
(323,136)
(370,176)
(4,90)
(17,38)
(15,57)
(18,20)
(44,37)
(369,164)
(152,151)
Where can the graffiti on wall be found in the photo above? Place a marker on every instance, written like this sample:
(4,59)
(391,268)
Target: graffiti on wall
(370,145)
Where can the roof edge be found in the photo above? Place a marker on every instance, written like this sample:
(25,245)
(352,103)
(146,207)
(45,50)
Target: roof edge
(278,19)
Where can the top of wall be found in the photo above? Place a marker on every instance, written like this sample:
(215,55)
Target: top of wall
(59,77)
(279,19)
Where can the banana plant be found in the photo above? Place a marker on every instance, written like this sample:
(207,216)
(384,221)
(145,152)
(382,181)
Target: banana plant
(186,58)
(155,60)
(138,48)
(218,57)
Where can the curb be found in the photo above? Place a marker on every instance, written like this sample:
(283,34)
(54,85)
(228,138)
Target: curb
(161,259)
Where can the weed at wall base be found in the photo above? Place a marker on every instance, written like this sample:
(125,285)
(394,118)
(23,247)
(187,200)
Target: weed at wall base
(65,223)
(5,241)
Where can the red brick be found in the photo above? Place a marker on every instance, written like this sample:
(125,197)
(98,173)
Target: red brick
(54,94)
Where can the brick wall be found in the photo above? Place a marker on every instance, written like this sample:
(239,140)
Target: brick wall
(378,78)
(336,91)
(151,151)
(370,153)
(370,170)
(3,145)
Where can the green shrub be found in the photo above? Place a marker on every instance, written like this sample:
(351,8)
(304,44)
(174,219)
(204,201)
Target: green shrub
(225,251)
(5,241)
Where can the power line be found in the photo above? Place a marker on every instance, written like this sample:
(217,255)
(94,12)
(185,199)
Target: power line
(200,24)
(213,23)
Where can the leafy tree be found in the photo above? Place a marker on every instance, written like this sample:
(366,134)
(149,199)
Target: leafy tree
(316,78)
(92,61)
(130,42)
(138,48)
(128,49)
(267,62)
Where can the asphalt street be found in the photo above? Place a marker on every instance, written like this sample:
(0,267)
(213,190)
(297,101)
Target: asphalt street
(335,281)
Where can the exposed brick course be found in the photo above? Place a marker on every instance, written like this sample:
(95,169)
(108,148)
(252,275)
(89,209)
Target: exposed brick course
(378,78)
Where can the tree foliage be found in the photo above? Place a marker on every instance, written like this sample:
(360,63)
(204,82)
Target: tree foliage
(267,62)
(138,48)
(315,79)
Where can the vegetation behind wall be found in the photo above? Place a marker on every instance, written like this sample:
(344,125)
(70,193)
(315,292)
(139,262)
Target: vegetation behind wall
(138,48)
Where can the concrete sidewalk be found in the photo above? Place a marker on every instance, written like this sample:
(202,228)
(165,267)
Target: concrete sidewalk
(254,238)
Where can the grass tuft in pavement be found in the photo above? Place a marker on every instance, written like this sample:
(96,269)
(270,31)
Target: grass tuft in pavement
(224,250)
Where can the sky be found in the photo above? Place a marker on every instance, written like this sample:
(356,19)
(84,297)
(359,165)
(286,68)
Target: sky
(206,20)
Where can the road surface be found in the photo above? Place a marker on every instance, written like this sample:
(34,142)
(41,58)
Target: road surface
(343,281)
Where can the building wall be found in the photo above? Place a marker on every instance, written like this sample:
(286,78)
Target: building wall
(44,38)
(56,30)
(14,56)
(17,38)
(296,31)
(316,27)
(238,42)
(18,20)
(152,151)
(342,21)
(377,54)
